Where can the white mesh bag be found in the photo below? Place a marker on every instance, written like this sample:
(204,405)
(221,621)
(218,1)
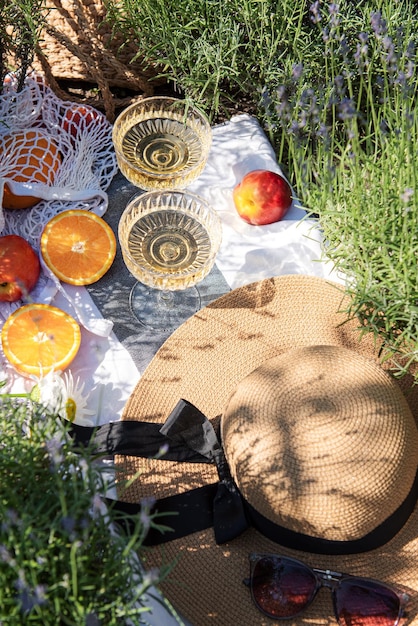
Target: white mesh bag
(65,148)
(83,138)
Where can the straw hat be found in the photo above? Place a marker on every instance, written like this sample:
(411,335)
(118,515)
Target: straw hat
(320,440)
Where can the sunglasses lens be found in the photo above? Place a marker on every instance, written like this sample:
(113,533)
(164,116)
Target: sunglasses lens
(365,603)
(282,587)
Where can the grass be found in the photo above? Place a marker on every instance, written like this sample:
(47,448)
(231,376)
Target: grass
(214,51)
(335,87)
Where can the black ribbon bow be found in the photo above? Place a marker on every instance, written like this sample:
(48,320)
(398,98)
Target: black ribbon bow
(186,436)
(188,426)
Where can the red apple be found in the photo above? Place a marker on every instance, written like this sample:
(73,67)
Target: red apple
(19,268)
(262,197)
(80,118)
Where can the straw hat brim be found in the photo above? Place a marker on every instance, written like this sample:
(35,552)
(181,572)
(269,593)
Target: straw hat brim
(203,362)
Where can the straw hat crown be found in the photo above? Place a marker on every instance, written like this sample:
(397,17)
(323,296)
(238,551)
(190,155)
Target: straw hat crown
(320,440)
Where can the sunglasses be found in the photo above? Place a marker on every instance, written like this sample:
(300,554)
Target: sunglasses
(282,588)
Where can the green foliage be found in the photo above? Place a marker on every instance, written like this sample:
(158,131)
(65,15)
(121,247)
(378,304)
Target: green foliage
(64,560)
(214,51)
(348,139)
(21,23)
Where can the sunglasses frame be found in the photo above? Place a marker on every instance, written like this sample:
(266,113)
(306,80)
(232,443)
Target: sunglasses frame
(324,578)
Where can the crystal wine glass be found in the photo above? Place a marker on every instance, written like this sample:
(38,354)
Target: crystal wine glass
(169,241)
(161,143)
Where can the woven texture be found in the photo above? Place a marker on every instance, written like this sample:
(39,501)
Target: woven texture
(78,44)
(204,362)
(297,418)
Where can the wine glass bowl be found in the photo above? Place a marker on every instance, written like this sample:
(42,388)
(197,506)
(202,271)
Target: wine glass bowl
(169,241)
(161,143)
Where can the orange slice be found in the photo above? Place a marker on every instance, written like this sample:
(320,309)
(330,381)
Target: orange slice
(78,246)
(38,338)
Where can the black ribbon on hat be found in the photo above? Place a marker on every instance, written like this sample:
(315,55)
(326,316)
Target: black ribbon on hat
(187,425)
(188,436)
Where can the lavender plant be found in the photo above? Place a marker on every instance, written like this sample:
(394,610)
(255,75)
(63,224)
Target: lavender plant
(64,558)
(349,142)
(216,53)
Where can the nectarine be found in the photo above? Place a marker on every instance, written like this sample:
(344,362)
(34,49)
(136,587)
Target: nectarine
(80,119)
(19,268)
(262,197)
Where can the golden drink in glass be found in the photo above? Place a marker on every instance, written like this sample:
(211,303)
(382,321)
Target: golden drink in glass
(169,242)
(161,143)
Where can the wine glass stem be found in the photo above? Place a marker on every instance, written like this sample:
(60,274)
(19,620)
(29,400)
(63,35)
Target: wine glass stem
(166,298)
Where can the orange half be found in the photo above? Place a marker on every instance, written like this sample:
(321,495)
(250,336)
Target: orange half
(38,338)
(78,246)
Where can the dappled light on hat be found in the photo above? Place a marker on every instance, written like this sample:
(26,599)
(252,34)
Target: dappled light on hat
(253,296)
(163,478)
(321,441)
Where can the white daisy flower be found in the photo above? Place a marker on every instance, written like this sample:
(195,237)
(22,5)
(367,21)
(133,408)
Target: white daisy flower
(63,396)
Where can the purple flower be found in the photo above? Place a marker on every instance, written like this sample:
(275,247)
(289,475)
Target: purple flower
(410,50)
(5,555)
(346,109)
(360,56)
(363,38)
(383,127)
(54,449)
(410,69)
(145,514)
(282,107)
(29,597)
(68,523)
(163,450)
(389,55)
(400,79)
(387,44)
(294,128)
(266,98)
(334,19)
(326,37)
(297,71)
(407,195)
(378,24)
(315,13)
(344,48)
(323,131)
(11,519)
(337,92)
